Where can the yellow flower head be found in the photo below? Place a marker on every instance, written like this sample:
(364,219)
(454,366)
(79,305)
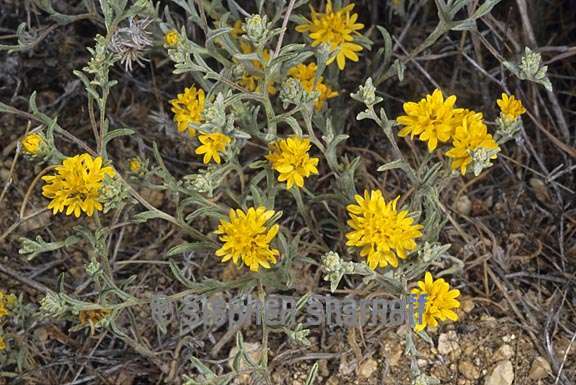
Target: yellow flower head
(32,143)
(188,109)
(510,107)
(382,233)
(171,38)
(237,29)
(290,158)
(247,238)
(306,74)
(2,343)
(251,81)
(76,185)
(6,301)
(470,135)
(432,119)
(135,165)
(93,317)
(440,300)
(337,29)
(212,145)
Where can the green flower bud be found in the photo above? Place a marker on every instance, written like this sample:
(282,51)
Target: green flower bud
(335,269)
(367,94)
(508,129)
(291,92)
(112,193)
(201,183)
(92,269)
(257,29)
(482,159)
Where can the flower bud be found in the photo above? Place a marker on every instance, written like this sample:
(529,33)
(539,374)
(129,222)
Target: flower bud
(508,129)
(367,94)
(256,28)
(112,193)
(482,158)
(200,183)
(291,92)
(92,269)
(171,38)
(35,145)
(335,269)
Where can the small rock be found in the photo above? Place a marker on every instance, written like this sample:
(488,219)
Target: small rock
(540,369)
(468,370)
(469,350)
(421,362)
(447,342)
(333,380)
(502,374)
(368,368)
(467,305)
(504,352)
(392,352)
(463,205)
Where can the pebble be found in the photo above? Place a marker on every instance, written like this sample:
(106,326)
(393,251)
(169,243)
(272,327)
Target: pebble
(502,374)
(467,305)
(447,342)
(468,370)
(504,352)
(392,353)
(463,205)
(368,368)
(540,369)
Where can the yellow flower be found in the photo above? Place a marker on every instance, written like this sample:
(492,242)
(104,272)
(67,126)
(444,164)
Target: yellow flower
(171,38)
(247,238)
(135,165)
(32,143)
(237,29)
(94,317)
(337,29)
(440,301)
(212,145)
(306,74)
(76,185)
(382,233)
(470,135)
(188,109)
(251,81)
(432,118)
(2,343)
(6,301)
(510,107)
(290,158)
